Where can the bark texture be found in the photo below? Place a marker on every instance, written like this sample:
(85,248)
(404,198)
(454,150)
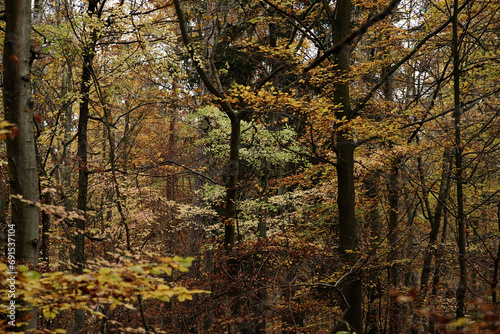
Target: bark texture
(21,152)
(348,237)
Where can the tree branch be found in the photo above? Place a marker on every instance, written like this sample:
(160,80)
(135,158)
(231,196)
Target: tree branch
(355,34)
(360,105)
(199,66)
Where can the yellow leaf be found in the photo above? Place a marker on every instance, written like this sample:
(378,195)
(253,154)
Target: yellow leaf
(460,322)
(49,314)
(129,306)
(183,296)
(104,271)
(137,269)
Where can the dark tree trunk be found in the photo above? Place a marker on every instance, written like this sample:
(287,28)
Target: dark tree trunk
(461,241)
(496,265)
(347,227)
(373,222)
(438,269)
(435,223)
(395,310)
(83,179)
(232,183)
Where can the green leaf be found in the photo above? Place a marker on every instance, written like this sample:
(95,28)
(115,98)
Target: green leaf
(32,274)
(137,269)
(23,268)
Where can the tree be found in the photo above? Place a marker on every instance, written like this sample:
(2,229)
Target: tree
(461,240)
(344,149)
(86,83)
(18,106)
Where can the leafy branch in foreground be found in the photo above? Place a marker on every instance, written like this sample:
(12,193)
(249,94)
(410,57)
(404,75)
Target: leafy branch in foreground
(114,285)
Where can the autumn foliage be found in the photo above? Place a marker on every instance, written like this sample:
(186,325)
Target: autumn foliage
(264,166)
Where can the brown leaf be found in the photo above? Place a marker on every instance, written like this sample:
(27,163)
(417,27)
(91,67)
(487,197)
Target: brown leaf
(14,132)
(413,292)
(38,117)
(404,299)
(393,292)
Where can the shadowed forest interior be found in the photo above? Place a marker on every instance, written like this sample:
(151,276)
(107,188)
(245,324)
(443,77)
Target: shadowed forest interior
(250,166)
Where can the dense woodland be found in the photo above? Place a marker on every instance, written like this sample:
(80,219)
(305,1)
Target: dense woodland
(250,166)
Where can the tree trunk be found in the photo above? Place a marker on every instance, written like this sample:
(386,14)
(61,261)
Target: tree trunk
(18,106)
(347,228)
(461,241)
(65,170)
(4,204)
(232,183)
(394,309)
(348,237)
(438,269)
(373,222)
(79,256)
(496,264)
(235,118)
(435,223)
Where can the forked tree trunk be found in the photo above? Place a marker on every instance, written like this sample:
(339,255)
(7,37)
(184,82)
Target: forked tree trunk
(438,269)
(18,106)
(435,221)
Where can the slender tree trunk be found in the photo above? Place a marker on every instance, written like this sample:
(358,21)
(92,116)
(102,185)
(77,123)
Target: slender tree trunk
(65,170)
(411,277)
(21,153)
(461,241)
(437,269)
(4,204)
(435,222)
(373,221)
(496,264)
(47,199)
(172,145)
(395,322)
(232,183)
(79,257)
(259,307)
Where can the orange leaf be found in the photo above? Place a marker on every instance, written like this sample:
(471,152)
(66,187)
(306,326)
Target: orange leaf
(14,58)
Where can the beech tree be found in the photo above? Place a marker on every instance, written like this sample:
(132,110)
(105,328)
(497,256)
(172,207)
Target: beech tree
(18,108)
